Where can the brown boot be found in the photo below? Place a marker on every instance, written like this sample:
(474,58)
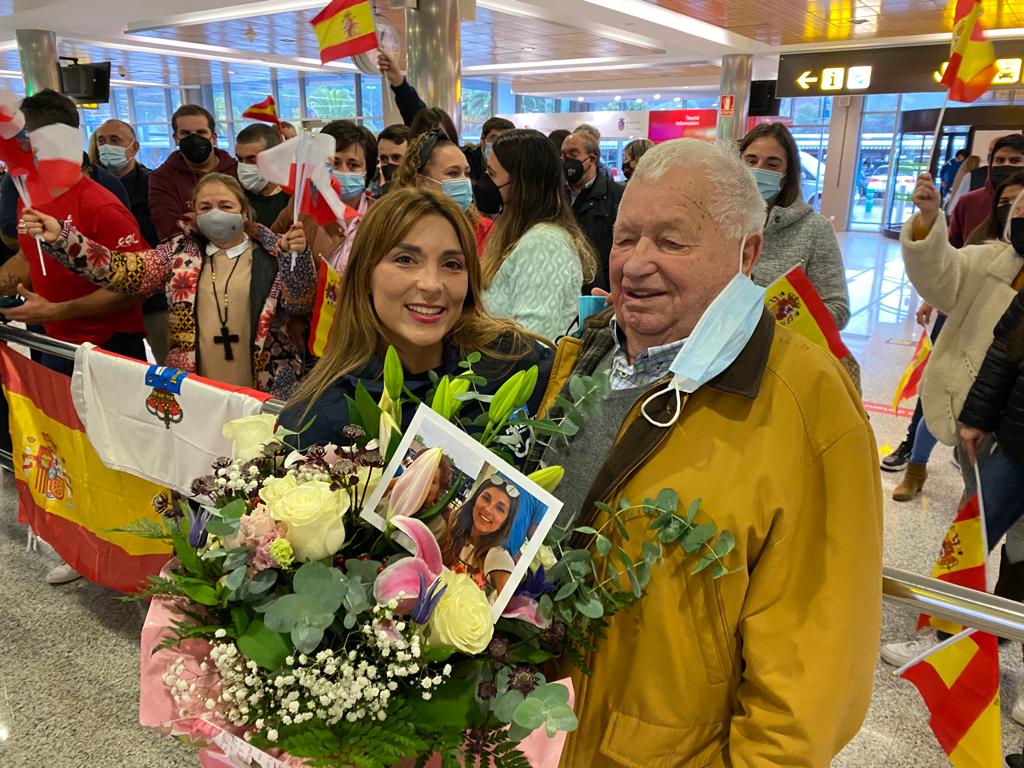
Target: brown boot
(913,482)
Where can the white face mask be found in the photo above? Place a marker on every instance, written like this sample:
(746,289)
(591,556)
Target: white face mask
(250,178)
(721,334)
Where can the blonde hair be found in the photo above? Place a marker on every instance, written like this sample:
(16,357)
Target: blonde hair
(233,187)
(358,334)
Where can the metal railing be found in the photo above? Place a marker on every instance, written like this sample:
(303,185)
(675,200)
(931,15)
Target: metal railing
(911,591)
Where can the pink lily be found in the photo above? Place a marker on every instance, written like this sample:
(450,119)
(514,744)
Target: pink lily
(411,489)
(401,580)
(525,609)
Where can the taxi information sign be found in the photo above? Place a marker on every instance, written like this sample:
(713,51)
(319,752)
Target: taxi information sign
(889,70)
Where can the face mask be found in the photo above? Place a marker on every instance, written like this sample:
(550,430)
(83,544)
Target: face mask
(1002,214)
(195,148)
(488,196)
(768,182)
(220,226)
(573,169)
(459,190)
(627,170)
(114,158)
(387,171)
(249,176)
(488,151)
(1017,235)
(1000,173)
(717,340)
(352,184)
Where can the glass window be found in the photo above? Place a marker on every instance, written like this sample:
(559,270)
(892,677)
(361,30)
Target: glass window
(537,104)
(152,125)
(923,101)
(218,73)
(882,102)
(506,99)
(872,170)
(476,107)
(288,106)
(119,97)
(329,96)
(373,103)
(249,85)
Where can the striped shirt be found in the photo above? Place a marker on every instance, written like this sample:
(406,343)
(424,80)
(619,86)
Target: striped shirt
(649,366)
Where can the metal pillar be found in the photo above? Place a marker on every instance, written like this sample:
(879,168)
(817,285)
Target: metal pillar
(433,39)
(40,67)
(734,98)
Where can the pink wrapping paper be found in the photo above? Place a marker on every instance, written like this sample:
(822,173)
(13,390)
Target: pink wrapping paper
(227,749)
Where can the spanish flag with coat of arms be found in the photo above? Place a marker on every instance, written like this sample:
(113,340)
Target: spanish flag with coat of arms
(972,59)
(67,496)
(959,682)
(345,28)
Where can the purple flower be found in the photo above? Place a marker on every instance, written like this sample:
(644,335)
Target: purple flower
(534,584)
(487,690)
(427,600)
(522,679)
(197,529)
(352,432)
(499,648)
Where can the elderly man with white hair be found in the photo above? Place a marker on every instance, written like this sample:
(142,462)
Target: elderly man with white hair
(772,663)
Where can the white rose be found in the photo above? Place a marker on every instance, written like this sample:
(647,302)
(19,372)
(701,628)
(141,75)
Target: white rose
(462,619)
(248,435)
(313,517)
(276,487)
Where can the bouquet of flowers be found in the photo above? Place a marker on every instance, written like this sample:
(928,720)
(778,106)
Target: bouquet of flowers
(302,628)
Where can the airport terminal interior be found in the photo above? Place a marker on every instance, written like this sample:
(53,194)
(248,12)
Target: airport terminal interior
(838,107)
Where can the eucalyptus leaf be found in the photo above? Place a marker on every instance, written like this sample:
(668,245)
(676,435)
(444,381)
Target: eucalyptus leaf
(652,552)
(603,545)
(667,500)
(235,557)
(215,526)
(703,563)
(592,609)
(560,718)
(586,529)
(577,388)
(504,705)
(531,714)
(725,543)
(264,646)
(306,638)
(546,606)
(234,579)
(567,589)
(697,536)
(232,510)
(551,694)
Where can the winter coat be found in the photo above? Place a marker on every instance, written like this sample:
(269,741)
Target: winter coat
(798,236)
(996,401)
(596,210)
(175,266)
(329,414)
(972,287)
(970,211)
(171,186)
(736,671)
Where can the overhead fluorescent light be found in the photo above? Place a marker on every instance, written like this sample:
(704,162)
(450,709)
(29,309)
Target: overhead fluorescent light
(663,17)
(228,13)
(529,11)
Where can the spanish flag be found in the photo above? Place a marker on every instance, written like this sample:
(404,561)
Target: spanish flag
(960,682)
(328,290)
(265,111)
(796,305)
(972,59)
(911,378)
(66,495)
(345,28)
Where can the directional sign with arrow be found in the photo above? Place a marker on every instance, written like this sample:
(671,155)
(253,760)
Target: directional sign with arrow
(806,79)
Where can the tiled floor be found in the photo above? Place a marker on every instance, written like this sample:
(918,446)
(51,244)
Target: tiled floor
(68,655)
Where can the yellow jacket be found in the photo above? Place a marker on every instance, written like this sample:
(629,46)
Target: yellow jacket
(771,665)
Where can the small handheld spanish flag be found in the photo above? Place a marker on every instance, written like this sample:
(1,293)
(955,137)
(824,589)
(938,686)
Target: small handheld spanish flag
(972,59)
(345,28)
(328,290)
(265,111)
(911,377)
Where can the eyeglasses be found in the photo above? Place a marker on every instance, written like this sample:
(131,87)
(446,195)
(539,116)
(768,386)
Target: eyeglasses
(500,482)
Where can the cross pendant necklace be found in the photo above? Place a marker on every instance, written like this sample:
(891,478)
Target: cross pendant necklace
(226,338)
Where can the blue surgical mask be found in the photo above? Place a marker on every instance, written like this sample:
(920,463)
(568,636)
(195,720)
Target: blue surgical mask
(352,184)
(459,190)
(717,340)
(114,158)
(488,151)
(769,183)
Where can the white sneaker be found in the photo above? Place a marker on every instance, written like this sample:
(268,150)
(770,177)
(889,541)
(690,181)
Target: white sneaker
(898,654)
(62,574)
(1017,713)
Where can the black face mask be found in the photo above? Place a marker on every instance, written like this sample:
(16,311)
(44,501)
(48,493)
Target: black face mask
(627,170)
(1017,235)
(573,169)
(1002,214)
(488,196)
(195,148)
(1000,173)
(387,171)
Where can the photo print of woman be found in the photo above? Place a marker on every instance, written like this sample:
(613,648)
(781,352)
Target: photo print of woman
(477,530)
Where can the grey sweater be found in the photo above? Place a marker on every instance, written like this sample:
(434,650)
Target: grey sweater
(797,235)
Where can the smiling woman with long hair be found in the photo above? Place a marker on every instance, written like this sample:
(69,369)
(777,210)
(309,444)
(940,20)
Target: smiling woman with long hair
(472,542)
(413,282)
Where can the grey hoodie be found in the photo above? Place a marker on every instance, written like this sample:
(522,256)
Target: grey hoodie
(797,235)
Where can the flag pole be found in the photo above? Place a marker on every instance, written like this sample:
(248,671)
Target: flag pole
(22,187)
(933,157)
(935,649)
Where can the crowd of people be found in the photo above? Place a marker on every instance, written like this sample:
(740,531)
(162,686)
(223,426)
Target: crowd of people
(487,248)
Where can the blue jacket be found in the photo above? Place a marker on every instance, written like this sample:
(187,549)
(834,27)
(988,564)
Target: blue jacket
(330,412)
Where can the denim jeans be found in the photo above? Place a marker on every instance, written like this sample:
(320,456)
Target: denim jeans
(919,411)
(1002,489)
(924,444)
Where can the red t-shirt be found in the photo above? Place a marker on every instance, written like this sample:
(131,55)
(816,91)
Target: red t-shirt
(101,217)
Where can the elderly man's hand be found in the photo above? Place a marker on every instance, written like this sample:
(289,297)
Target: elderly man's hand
(928,200)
